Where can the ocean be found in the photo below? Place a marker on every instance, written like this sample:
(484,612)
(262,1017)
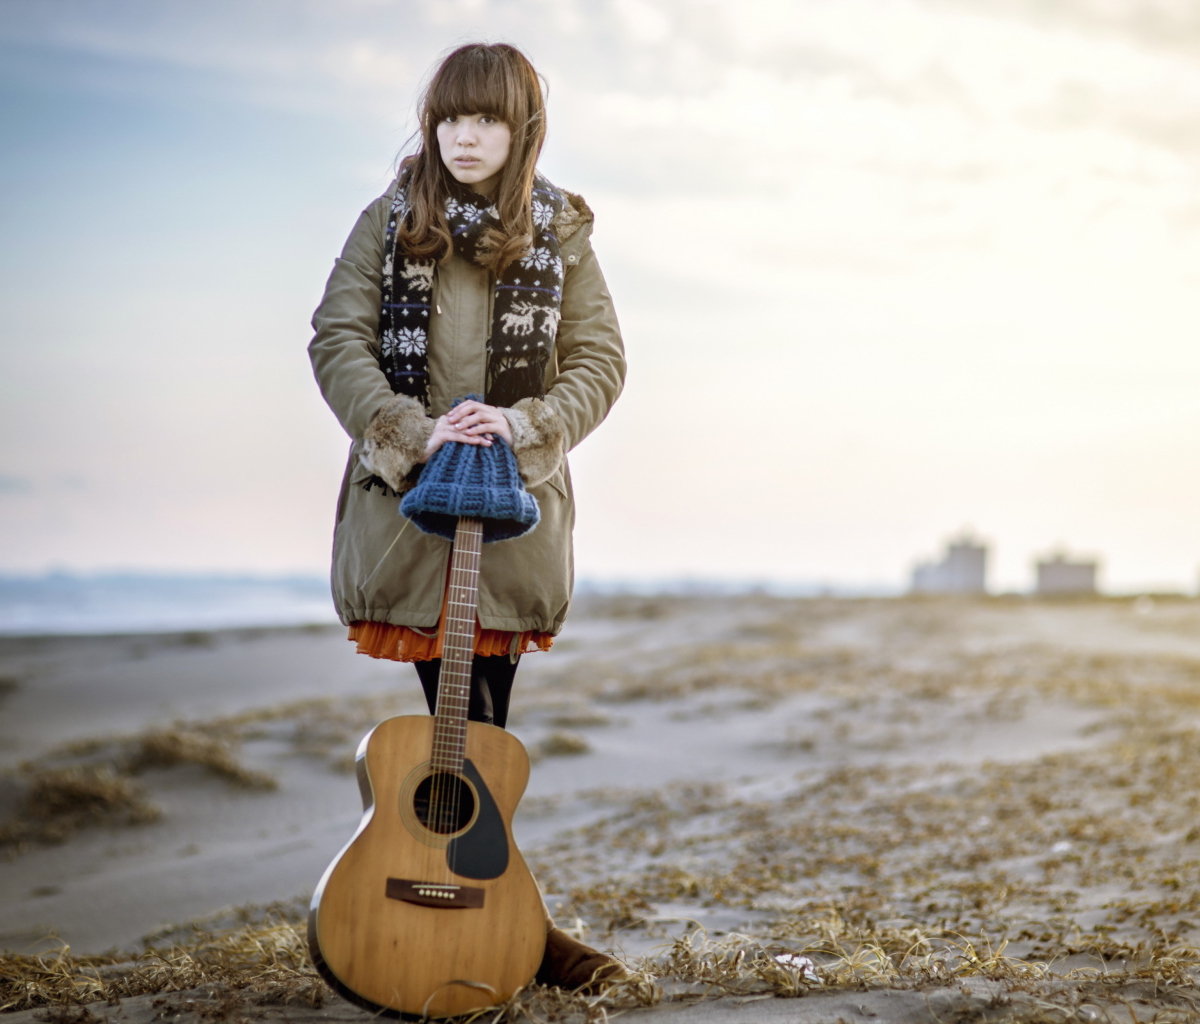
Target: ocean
(67,603)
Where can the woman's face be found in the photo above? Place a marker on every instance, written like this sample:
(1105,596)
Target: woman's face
(474,147)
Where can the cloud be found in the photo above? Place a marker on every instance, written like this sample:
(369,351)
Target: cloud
(1171,26)
(961,221)
(15,485)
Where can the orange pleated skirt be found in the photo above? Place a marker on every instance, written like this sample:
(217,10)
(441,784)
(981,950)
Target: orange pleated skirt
(403,643)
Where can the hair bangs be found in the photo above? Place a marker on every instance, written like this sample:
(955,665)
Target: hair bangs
(477,80)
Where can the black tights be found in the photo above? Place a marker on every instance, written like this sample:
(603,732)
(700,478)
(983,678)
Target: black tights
(491,683)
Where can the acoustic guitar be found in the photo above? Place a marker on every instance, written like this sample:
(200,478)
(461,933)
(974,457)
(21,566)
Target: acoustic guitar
(430,910)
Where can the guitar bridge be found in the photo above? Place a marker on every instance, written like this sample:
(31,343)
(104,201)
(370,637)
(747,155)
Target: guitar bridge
(435,894)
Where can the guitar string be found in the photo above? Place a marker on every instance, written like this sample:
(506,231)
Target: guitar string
(451,661)
(453,697)
(449,752)
(450,668)
(472,578)
(465,628)
(454,663)
(470,530)
(471,574)
(437,795)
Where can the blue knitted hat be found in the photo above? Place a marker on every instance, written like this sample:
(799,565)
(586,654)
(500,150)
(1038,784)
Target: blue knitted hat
(476,481)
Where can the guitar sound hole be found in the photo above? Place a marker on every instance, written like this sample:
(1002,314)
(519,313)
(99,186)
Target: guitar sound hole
(444,803)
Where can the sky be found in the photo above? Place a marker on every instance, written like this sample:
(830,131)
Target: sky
(886,270)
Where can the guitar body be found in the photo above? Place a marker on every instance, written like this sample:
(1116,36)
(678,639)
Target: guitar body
(429,911)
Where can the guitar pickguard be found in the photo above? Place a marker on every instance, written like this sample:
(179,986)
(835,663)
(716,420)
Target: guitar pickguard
(482,851)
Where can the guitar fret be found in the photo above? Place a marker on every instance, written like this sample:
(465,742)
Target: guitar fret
(458,647)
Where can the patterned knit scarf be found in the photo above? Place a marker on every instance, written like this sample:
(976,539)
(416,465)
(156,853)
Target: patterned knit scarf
(525,310)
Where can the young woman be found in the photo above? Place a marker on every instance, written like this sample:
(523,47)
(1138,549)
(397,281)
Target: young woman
(471,274)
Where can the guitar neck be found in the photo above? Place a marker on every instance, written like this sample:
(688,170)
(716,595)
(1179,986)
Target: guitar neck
(458,648)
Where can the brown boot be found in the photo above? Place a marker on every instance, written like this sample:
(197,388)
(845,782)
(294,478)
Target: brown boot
(572,965)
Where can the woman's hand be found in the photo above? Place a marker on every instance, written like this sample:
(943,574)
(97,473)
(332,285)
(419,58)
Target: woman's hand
(478,420)
(468,423)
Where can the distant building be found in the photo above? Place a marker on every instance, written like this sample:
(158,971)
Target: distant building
(962,570)
(1059,575)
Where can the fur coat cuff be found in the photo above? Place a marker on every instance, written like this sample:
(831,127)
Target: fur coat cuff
(395,440)
(538,437)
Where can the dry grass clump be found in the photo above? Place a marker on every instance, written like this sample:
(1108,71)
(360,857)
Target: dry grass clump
(96,779)
(628,606)
(328,729)
(583,718)
(263,963)
(93,782)
(58,801)
(561,744)
(1008,849)
(912,653)
(740,963)
(767,670)
(1020,992)
(540,1004)
(183,746)
(89,790)
(269,963)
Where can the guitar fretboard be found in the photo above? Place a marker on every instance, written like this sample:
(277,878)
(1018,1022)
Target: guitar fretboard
(458,648)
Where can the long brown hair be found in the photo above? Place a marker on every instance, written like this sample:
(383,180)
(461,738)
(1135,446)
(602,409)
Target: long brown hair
(477,79)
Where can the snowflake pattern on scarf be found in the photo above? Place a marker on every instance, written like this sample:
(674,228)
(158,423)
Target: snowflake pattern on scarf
(543,214)
(526,307)
(407,341)
(540,258)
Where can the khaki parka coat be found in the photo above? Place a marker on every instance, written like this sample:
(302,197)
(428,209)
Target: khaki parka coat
(384,568)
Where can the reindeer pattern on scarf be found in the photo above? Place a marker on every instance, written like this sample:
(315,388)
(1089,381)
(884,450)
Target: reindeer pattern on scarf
(527,298)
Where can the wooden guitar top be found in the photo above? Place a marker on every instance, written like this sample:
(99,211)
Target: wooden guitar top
(411,921)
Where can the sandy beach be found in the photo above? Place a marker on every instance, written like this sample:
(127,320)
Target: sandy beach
(898,809)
